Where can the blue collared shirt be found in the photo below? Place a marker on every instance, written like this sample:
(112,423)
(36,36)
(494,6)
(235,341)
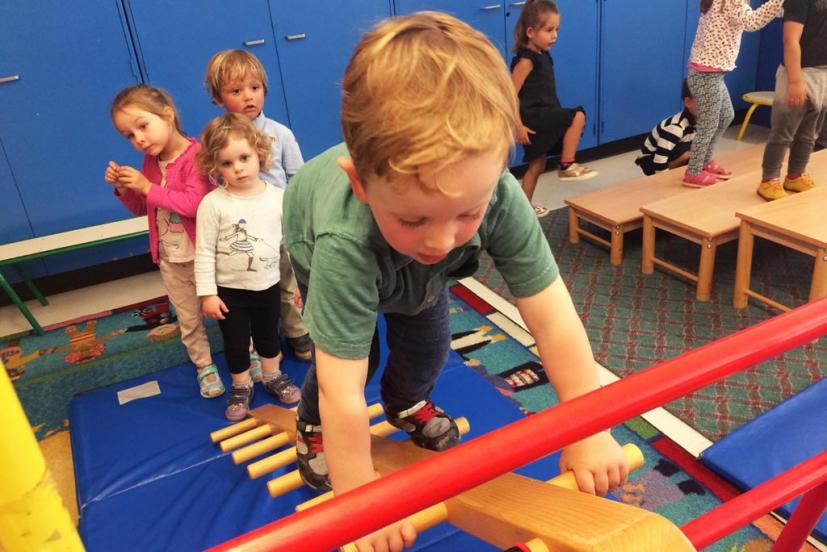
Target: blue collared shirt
(286,157)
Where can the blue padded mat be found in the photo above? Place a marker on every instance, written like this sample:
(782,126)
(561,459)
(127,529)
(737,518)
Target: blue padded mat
(148,477)
(774,442)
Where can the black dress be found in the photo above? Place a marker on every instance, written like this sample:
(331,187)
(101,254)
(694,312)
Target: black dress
(540,108)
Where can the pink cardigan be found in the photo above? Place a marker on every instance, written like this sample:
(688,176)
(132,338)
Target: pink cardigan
(718,38)
(184,190)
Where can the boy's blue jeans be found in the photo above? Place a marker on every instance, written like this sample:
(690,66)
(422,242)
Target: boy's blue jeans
(418,350)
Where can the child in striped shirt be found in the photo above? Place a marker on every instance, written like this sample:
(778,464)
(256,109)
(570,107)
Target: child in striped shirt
(669,144)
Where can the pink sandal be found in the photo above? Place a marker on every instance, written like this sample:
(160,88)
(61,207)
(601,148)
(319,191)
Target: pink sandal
(717,171)
(700,180)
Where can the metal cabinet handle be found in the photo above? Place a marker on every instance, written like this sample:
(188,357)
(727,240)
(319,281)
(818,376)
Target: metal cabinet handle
(12,78)
(491,7)
(257,42)
(518,3)
(300,36)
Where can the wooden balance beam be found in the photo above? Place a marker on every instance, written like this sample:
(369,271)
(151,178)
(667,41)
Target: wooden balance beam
(507,510)
(708,218)
(617,209)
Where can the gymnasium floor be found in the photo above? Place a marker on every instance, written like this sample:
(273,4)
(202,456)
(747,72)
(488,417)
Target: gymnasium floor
(550,193)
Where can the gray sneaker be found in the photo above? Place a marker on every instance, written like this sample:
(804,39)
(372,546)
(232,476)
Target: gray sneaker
(238,403)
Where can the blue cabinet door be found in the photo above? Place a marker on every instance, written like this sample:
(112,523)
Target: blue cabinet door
(485,16)
(642,64)
(176,39)
(14,224)
(71,60)
(315,41)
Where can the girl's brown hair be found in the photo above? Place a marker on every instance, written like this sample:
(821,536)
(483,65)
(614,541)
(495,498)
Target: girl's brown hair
(534,11)
(150,99)
(705,5)
(217,134)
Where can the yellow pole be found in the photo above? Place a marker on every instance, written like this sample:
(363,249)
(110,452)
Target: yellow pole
(32,516)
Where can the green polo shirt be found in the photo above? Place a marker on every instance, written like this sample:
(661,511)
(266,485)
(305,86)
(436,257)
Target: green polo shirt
(351,273)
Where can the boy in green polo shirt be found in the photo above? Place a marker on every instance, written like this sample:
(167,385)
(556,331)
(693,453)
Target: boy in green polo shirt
(429,115)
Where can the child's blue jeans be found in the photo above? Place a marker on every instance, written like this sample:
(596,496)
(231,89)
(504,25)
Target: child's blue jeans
(418,349)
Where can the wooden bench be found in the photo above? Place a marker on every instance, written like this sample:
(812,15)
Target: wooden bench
(13,254)
(797,222)
(706,217)
(617,209)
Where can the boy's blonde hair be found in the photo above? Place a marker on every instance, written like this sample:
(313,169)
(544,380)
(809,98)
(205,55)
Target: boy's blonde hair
(150,99)
(230,65)
(422,92)
(217,134)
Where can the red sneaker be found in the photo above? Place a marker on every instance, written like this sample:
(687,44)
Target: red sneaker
(428,426)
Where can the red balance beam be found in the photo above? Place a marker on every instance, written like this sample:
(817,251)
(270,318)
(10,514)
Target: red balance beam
(372,506)
(746,508)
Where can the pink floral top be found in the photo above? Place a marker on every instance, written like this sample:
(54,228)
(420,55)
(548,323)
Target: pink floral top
(718,38)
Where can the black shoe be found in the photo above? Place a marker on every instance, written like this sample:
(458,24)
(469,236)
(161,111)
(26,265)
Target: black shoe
(310,456)
(428,425)
(302,346)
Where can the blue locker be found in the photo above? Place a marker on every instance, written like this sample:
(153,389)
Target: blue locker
(54,120)
(14,224)
(176,39)
(485,16)
(642,64)
(314,41)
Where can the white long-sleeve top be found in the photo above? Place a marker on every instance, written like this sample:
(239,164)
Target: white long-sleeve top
(718,38)
(237,241)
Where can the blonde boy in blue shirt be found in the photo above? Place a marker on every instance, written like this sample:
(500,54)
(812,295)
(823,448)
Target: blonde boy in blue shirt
(429,115)
(236,80)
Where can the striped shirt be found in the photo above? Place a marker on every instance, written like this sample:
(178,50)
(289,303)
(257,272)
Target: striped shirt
(659,145)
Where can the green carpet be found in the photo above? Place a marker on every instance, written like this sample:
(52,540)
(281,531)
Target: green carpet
(634,320)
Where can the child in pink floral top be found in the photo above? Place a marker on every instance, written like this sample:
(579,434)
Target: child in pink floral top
(168,189)
(714,51)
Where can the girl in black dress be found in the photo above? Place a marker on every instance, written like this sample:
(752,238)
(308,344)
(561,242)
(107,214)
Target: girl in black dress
(544,125)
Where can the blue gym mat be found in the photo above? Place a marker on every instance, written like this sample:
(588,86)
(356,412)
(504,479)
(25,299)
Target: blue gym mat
(148,477)
(774,442)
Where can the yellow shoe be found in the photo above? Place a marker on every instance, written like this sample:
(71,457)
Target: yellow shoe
(800,184)
(771,189)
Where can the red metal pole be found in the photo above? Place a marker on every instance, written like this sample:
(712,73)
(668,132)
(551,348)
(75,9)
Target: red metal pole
(804,518)
(745,508)
(367,508)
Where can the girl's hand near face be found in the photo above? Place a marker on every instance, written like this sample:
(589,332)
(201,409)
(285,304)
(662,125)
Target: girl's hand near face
(132,178)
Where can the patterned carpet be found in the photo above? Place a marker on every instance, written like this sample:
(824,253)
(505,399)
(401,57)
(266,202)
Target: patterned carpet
(634,320)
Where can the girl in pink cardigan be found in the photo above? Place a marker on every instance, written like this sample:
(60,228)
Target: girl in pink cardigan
(716,46)
(168,189)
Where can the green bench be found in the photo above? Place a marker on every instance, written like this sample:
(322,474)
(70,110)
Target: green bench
(15,253)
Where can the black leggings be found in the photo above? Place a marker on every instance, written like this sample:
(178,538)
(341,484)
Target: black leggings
(253,313)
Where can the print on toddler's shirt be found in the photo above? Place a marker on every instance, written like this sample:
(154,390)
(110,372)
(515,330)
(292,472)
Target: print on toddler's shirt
(243,244)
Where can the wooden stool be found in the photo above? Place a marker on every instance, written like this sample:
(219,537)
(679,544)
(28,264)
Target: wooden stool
(755,98)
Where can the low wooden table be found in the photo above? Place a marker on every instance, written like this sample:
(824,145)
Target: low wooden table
(707,217)
(617,209)
(797,222)
(37,248)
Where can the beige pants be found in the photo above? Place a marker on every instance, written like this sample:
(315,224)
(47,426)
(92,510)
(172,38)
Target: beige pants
(179,279)
(291,319)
